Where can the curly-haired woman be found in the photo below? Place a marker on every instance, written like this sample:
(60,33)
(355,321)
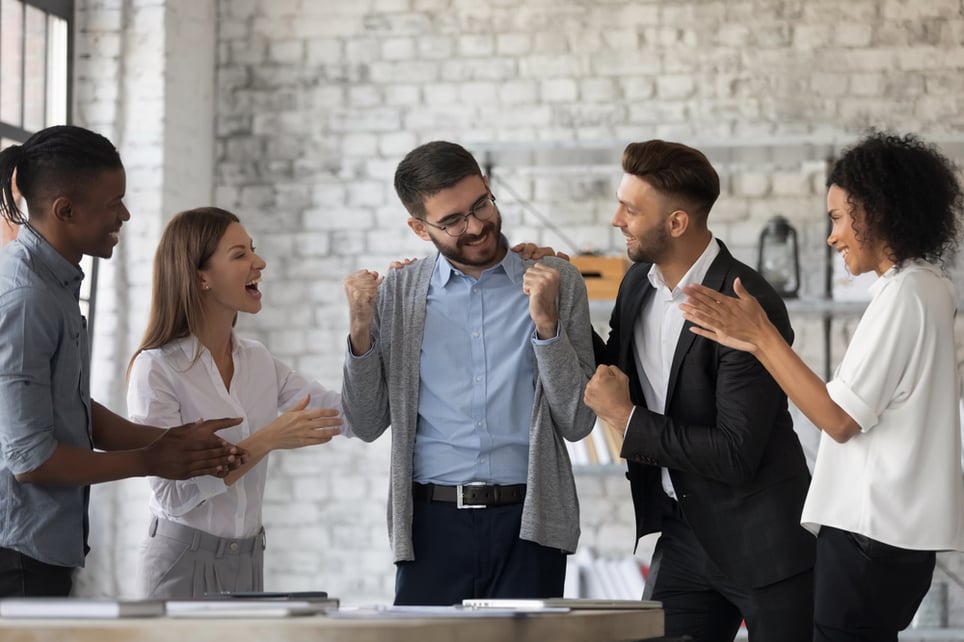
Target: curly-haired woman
(887,490)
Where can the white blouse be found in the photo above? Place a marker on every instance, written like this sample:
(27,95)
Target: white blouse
(168,388)
(899,479)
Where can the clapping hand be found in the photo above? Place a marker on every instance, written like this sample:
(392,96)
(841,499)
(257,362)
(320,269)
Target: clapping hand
(193,449)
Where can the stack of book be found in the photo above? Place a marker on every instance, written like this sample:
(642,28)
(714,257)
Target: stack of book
(602,446)
(613,578)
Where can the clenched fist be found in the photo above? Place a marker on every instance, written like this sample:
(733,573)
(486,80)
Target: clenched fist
(361,288)
(541,284)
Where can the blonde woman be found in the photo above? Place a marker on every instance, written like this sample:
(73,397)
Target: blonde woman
(206,534)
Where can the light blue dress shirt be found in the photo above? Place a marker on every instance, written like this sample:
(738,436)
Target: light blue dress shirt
(477,377)
(44,398)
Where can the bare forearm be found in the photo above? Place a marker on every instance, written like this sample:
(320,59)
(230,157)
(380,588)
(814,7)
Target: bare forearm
(360,337)
(71,466)
(804,388)
(257,448)
(113,432)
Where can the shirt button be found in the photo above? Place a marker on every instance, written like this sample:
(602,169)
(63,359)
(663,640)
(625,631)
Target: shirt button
(234,547)
(478,378)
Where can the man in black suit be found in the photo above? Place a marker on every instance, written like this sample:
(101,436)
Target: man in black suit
(714,463)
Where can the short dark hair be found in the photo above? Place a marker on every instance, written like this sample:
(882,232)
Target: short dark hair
(674,168)
(55,158)
(430,168)
(909,192)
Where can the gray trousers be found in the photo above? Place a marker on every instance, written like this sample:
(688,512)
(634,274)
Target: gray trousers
(180,562)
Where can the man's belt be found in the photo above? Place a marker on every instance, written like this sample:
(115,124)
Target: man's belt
(471,495)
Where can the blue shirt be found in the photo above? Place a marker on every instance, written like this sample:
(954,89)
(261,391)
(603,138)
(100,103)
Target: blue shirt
(477,377)
(44,398)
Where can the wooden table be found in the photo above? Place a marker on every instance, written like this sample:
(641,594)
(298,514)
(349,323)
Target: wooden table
(575,626)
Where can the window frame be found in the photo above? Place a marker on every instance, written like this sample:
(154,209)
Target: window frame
(64,10)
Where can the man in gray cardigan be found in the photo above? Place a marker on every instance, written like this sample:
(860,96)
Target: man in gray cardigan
(478,360)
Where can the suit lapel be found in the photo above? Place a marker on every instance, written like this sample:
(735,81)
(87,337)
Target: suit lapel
(715,278)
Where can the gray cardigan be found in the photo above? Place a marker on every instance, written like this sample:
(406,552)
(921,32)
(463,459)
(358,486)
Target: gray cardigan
(381,388)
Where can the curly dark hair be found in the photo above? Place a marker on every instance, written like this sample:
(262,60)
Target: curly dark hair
(909,192)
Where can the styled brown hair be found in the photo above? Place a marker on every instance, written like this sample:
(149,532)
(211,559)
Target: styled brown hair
(430,168)
(675,169)
(186,246)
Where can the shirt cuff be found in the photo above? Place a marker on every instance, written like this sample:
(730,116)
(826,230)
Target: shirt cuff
(629,421)
(544,342)
(25,461)
(853,405)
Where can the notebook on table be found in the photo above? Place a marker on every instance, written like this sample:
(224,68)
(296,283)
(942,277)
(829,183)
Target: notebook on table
(248,608)
(560,602)
(73,607)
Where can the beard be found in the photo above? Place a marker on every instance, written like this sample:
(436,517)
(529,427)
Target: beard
(650,248)
(461,254)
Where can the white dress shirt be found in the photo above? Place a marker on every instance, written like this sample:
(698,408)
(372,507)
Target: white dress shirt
(899,479)
(168,387)
(657,332)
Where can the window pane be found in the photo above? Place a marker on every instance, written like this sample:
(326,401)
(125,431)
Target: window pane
(56,71)
(87,265)
(35,75)
(8,231)
(11,41)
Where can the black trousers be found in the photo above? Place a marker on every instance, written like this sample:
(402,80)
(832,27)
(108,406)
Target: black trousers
(866,591)
(701,602)
(475,553)
(23,576)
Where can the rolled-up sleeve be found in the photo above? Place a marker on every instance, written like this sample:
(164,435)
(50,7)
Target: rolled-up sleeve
(873,372)
(28,342)
(151,400)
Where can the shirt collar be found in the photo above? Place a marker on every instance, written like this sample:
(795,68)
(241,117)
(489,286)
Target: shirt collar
(511,264)
(896,269)
(695,274)
(191,347)
(67,274)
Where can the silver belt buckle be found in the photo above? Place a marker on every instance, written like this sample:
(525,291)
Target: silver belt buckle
(458,496)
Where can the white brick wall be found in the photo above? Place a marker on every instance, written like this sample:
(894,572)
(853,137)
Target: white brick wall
(317,100)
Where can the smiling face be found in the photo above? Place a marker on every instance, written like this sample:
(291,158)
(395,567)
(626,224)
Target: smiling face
(642,216)
(847,236)
(96,214)
(230,278)
(479,247)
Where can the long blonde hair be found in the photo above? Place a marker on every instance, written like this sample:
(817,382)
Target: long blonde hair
(186,246)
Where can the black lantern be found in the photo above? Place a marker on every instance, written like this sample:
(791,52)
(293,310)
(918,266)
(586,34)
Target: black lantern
(778,259)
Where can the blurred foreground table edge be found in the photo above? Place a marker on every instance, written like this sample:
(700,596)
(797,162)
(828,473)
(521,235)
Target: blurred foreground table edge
(575,626)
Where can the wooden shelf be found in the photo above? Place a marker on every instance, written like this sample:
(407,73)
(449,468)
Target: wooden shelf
(601,308)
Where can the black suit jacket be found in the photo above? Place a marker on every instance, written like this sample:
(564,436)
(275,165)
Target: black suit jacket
(727,438)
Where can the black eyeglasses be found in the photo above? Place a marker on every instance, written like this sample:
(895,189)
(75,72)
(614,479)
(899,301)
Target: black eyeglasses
(456,224)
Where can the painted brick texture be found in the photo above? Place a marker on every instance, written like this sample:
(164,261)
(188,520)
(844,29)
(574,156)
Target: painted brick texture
(316,101)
